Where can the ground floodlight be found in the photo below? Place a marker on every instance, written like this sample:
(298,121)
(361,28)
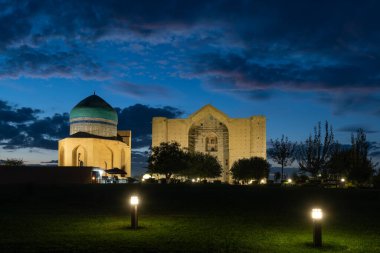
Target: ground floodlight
(342,180)
(289,180)
(317,215)
(134,201)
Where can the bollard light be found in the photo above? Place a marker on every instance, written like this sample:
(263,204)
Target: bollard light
(317,215)
(134,201)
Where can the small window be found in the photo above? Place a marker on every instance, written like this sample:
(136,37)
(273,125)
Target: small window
(211,144)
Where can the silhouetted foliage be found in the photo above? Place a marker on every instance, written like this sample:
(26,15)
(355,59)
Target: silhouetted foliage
(361,168)
(282,152)
(14,162)
(314,154)
(277,176)
(167,158)
(352,163)
(250,168)
(339,163)
(200,165)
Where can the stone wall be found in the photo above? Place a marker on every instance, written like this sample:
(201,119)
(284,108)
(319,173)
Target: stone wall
(236,137)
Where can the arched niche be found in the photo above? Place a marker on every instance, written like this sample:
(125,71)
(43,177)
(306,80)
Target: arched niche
(122,160)
(107,157)
(210,135)
(79,156)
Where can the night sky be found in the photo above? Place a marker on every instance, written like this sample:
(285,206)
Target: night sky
(296,62)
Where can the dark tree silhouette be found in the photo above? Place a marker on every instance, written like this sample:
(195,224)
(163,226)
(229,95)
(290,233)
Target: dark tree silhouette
(167,159)
(362,168)
(250,168)
(277,176)
(340,162)
(14,162)
(282,152)
(314,154)
(352,162)
(201,165)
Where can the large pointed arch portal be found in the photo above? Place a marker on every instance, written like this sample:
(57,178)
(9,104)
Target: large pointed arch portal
(210,135)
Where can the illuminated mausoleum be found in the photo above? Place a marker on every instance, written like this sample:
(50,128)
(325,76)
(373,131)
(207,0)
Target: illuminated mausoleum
(94,139)
(211,131)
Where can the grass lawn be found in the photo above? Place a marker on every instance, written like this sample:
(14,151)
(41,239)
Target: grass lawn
(186,218)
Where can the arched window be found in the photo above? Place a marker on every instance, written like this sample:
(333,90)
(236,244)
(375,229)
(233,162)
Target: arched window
(211,143)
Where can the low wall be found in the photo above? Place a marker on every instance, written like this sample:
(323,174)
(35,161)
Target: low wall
(45,175)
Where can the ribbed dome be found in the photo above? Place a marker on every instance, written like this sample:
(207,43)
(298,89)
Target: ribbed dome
(93,107)
(94,116)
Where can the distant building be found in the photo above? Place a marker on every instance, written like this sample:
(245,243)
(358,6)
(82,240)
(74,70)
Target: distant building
(211,131)
(94,139)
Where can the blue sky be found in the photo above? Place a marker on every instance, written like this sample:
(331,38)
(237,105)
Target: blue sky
(296,62)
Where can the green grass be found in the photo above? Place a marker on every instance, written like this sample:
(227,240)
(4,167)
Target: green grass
(185,218)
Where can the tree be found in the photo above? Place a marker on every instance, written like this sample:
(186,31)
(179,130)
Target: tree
(314,154)
(352,162)
(339,163)
(277,176)
(201,165)
(14,162)
(362,168)
(282,152)
(250,168)
(167,158)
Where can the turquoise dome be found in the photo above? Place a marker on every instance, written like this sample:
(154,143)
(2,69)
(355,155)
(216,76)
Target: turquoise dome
(94,107)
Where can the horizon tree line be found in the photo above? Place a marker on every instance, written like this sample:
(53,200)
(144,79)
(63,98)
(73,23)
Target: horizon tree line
(321,156)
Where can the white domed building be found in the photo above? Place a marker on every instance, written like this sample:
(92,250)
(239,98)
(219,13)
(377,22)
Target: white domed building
(94,139)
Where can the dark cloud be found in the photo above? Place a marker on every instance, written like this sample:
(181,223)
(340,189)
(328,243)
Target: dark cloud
(17,115)
(139,162)
(22,128)
(244,72)
(305,23)
(353,102)
(139,91)
(374,149)
(138,118)
(355,128)
(260,47)
(50,162)
(39,63)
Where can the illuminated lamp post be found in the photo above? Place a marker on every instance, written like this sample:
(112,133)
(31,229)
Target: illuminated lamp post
(134,201)
(317,215)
